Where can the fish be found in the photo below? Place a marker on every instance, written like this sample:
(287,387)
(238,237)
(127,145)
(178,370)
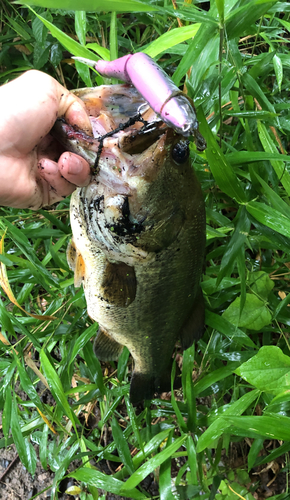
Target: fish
(138,244)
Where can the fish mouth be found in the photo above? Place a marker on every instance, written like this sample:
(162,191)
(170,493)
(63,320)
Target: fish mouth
(119,117)
(144,138)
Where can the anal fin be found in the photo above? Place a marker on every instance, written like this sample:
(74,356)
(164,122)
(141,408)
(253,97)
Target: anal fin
(105,347)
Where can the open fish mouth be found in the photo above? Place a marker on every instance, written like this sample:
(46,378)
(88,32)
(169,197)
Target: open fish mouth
(119,117)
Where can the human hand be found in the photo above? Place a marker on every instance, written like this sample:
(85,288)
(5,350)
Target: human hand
(34,170)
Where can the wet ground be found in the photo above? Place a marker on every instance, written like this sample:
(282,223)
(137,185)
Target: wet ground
(16,483)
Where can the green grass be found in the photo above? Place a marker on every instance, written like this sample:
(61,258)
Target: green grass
(239,80)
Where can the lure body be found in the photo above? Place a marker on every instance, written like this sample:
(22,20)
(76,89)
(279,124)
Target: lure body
(163,96)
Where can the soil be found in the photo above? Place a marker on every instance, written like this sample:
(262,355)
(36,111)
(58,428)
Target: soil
(16,483)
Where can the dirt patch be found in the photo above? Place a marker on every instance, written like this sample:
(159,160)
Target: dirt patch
(16,483)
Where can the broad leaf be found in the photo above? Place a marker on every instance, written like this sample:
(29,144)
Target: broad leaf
(255,314)
(269,370)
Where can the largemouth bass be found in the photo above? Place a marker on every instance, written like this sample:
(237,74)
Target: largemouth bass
(138,235)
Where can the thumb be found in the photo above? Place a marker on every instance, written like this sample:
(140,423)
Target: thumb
(73,110)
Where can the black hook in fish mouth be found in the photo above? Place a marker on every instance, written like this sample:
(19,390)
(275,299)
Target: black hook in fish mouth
(148,127)
(131,121)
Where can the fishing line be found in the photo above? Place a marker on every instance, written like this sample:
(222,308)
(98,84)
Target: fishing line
(131,121)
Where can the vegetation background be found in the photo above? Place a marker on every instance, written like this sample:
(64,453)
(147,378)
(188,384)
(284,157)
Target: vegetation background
(226,435)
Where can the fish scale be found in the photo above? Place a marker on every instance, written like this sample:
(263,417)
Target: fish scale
(138,239)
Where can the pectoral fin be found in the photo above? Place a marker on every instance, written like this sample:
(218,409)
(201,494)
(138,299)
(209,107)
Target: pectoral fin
(105,347)
(76,263)
(119,284)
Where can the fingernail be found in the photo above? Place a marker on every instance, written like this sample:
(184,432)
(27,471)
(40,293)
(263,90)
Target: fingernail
(48,167)
(77,107)
(75,165)
(76,115)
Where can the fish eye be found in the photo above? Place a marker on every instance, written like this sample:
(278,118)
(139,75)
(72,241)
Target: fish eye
(180,152)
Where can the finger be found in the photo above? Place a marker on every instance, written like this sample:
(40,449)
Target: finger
(73,110)
(55,187)
(74,169)
(30,105)
(75,113)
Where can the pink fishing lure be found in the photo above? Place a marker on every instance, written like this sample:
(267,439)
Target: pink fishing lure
(164,97)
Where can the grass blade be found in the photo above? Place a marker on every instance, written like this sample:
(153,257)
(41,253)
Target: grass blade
(149,448)
(215,376)
(82,340)
(270,147)
(274,427)
(133,422)
(108,483)
(56,387)
(19,238)
(80,26)
(165,476)
(188,387)
(113,37)
(122,446)
(43,447)
(242,17)
(170,39)
(94,366)
(216,429)
(28,386)
(25,450)
(192,459)
(222,171)
(6,417)
(68,43)
(193,56)
(270,217)
(180,419)
(152,464)
(122,364)
(93,5)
